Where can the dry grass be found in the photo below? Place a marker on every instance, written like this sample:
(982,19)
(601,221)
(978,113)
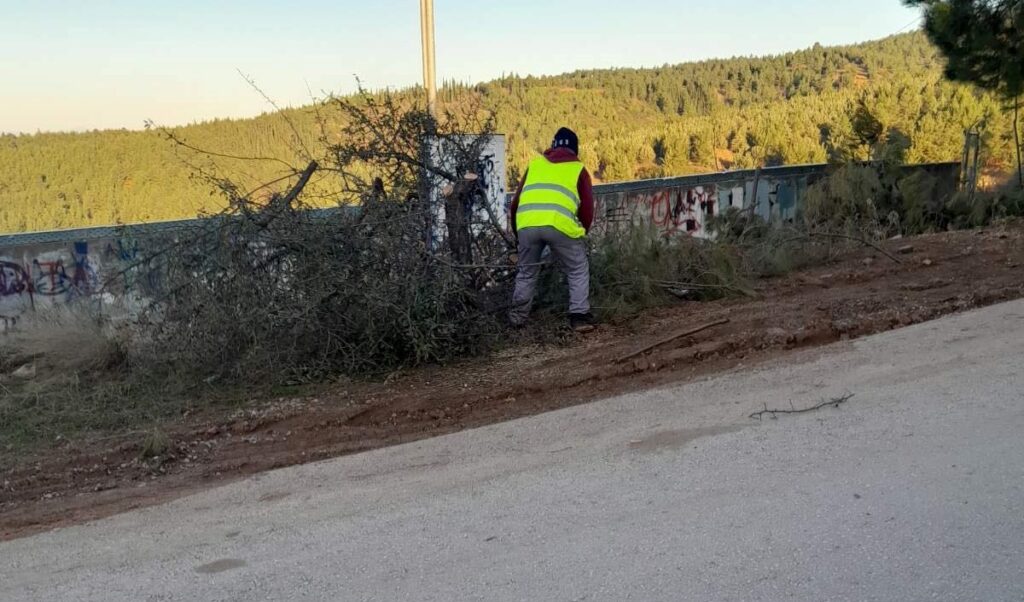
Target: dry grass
(154,445)
(638,268)
(64,373)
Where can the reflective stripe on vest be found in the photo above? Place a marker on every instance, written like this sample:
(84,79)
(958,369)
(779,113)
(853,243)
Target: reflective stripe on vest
(556,188)
(550,197)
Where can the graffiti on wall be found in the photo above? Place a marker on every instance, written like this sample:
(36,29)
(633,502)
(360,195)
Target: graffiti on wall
(687,209)
(670,210)
(683,210)
(50,274)
(44,275)
(489,168)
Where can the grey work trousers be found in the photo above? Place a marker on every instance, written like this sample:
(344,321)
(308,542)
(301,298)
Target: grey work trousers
(571,257)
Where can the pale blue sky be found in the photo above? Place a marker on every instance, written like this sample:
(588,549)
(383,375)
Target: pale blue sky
(83,64)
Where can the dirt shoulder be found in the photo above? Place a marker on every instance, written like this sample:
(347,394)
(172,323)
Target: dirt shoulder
(862,294)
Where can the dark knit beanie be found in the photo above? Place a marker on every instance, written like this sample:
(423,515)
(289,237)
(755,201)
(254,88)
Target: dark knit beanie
(566,138)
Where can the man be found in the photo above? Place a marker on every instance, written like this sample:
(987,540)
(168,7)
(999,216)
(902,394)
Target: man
(554,208)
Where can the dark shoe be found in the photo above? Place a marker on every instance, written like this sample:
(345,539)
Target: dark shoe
(582,322)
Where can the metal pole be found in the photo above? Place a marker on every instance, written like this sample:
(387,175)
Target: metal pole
(429,62)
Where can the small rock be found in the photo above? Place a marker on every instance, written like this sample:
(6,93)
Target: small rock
(685,294)
(26,372)
(905,249)
(811,280)
(710,348)
(843,326)
(805,335)
(868,261)
(927,262)
(776,335)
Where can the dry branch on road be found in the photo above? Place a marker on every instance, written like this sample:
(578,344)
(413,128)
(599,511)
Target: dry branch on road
(834,402)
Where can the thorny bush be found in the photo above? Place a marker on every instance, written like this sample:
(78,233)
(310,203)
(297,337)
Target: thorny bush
(277,292)
(286,293)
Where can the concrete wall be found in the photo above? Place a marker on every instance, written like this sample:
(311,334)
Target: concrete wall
(47,269)
(685,204)
(101,265)
(44,269)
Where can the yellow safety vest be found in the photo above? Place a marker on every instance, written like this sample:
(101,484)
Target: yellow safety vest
(550,197)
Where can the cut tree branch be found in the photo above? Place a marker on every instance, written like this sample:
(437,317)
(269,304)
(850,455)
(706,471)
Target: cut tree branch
(303,180)
(861,240)
(172,137)
(678,335)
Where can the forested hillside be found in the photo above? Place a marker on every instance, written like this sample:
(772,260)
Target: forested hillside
(679,119)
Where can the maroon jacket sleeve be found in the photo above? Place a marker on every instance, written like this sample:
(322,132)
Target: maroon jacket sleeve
(515,203)
(586,190)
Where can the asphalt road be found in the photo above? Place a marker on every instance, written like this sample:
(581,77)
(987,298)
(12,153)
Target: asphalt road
(911,490)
